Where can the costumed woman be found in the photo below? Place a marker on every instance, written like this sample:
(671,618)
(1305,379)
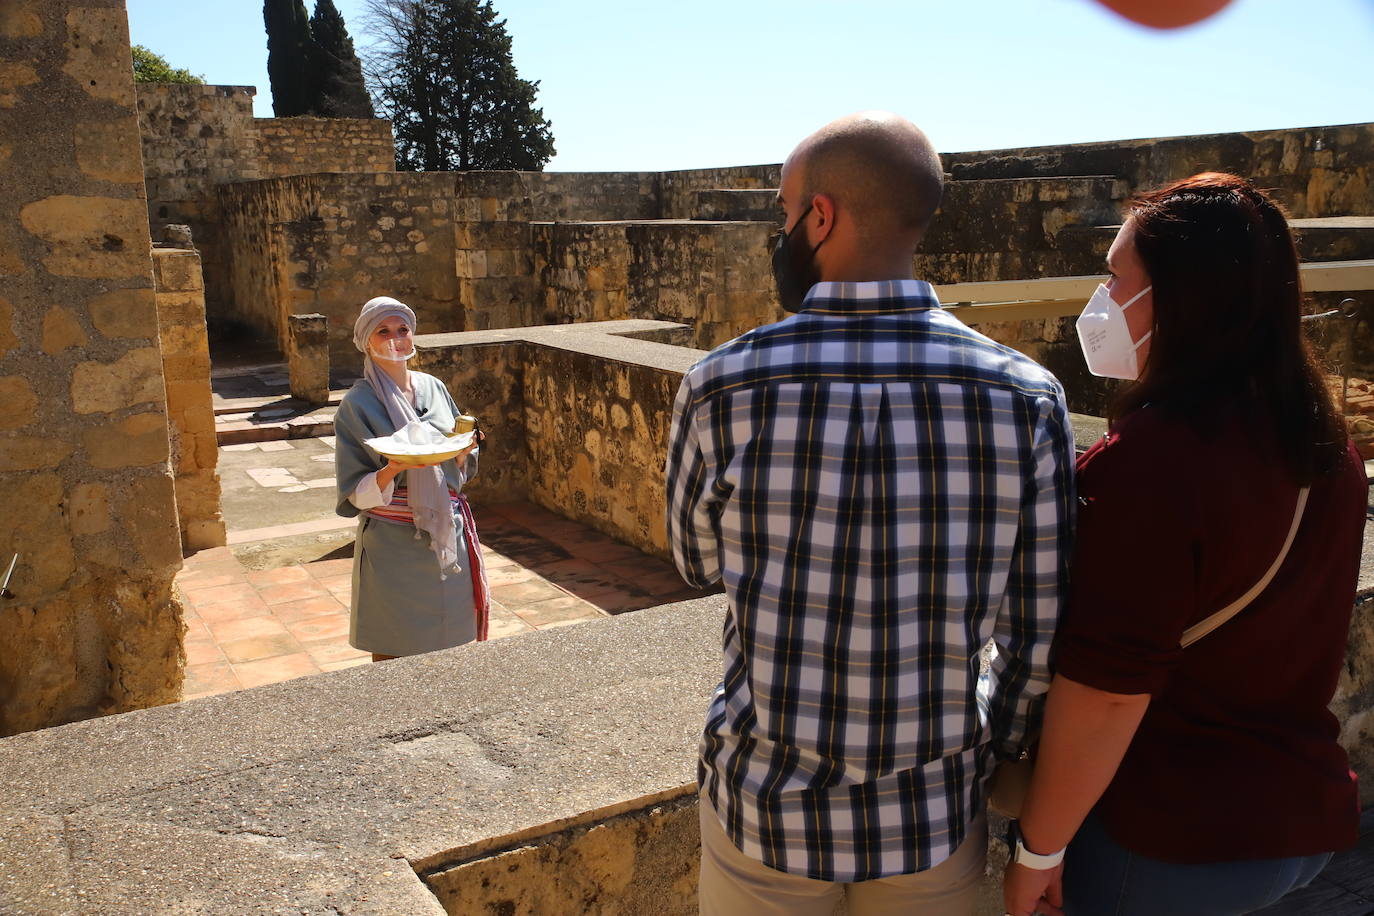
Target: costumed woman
(418,582)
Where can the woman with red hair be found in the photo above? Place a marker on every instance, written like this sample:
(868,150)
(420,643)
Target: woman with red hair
(1188,760)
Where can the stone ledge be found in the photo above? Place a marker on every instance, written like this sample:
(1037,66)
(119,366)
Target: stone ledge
(320,793)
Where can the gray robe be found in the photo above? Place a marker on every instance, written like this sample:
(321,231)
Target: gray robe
(400,605)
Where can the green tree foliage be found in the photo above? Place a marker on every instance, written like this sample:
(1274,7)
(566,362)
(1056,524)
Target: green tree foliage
(153,68)
(289,53)
(444,75)
(339,90)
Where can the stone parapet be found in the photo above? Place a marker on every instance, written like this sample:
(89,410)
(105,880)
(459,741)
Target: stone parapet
(714,276)
(1317,171)
(577,417)
(296,146)
(360,790)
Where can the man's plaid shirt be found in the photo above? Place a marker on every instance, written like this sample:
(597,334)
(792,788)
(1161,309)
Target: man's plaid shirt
(882,491)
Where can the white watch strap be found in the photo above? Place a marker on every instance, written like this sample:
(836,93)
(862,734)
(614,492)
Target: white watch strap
(1033,861)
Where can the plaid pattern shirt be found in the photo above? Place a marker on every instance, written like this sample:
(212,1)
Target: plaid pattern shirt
(883,492)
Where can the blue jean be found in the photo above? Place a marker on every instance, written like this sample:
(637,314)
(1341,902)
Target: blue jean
(1101,878)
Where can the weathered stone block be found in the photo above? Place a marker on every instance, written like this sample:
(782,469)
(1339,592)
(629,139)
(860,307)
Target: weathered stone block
(98,53)
(93,237)
(61,330)
(20,19)
(14,76)
(136,441)
(153,531)
(307,357)
(124,313)
(88,509)
(17,402)
(177,270)
(109,151)
(38,531)
(27,453)
(7,336)
(135,378)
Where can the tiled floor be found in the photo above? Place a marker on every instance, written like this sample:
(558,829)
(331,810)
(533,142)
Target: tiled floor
(245,628)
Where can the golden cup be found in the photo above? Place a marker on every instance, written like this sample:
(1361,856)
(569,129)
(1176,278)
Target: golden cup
(464,424)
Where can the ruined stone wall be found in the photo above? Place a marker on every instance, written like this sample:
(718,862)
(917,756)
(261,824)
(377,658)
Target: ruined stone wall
(577,418)
(328,243)
(714,276)
(591,195)
(679,191)
(186,372)
(195,137)
(86,493)
(597,433)
(487,380)
(296,146)
(1317,171)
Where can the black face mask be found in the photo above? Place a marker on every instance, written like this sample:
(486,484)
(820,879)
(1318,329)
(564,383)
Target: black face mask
(794,267)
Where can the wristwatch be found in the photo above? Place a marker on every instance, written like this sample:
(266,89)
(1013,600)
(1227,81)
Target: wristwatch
(1024,857)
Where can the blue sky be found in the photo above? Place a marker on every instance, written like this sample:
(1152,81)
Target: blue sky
(666,85)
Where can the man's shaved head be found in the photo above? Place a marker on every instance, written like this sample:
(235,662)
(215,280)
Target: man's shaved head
(879,168)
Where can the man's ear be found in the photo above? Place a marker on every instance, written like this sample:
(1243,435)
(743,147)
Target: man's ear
(823,205)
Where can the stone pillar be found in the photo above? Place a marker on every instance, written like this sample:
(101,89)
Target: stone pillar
(307,357)
(190,412)
(86,492)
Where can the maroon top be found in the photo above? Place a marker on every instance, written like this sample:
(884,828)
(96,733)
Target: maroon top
(1237,756)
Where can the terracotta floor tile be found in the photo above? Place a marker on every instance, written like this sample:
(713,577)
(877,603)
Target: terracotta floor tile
(283,575)
(346,663)
(618,602)
(518,594)
(202,653)
(330,652)
(197,631)
(508,575)
(218,594)
(292,591)
(291,612)
(501,628)
(583,577)
(230,630)
(275,670)
(604,550)
(233,610)
(327,569)
(336,583)
(555,610)
(209,679)
(239,651)
(330,626)
(494,560)
(190,578)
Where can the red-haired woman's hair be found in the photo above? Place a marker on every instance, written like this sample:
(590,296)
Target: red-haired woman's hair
(1228,318)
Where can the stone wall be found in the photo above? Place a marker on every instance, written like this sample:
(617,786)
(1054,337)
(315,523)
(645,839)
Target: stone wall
(678,191)
(196,138)
(591,195)
(1317,171)
(577,417)
(86,494)
(297,146)
(191,415)
(714,276)
(328,243)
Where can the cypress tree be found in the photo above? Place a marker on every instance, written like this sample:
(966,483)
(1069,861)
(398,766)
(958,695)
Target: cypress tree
(450,87)
(337,75)
(289,54)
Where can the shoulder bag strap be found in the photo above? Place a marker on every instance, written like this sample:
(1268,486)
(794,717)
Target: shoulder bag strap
(1201,629)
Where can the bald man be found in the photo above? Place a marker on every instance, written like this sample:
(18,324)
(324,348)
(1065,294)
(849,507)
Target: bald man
(883,492)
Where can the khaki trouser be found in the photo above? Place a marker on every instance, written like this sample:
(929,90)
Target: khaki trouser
(732,884)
